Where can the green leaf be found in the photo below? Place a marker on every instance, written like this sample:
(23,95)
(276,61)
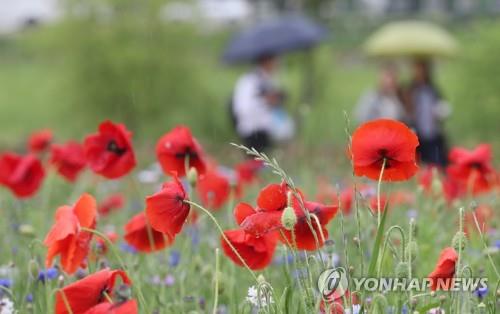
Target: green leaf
(376,247)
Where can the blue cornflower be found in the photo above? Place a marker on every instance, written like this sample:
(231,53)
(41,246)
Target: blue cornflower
(48,274)
(481,292)
(6,282)
(29,298)
(128,248)
(174,258)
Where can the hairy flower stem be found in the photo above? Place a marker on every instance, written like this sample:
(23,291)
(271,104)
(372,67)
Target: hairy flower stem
(358,223)
(216,289)
(410,238)
(209,214)
(459,259)
(483,240)
(384,247)
(379,184)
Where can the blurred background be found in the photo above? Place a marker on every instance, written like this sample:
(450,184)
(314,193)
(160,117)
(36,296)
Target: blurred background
(69,64)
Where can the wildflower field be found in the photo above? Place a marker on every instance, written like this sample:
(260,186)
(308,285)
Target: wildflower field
(88,227)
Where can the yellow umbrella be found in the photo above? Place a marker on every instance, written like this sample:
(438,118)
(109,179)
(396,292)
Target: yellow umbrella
(411,38)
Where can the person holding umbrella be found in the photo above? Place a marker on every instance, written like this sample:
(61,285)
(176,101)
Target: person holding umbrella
(257,105)
(428,112)
(421,42)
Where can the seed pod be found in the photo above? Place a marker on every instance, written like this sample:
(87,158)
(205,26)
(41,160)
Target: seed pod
(192,176)
(402,270)
(459,241)
(288,218)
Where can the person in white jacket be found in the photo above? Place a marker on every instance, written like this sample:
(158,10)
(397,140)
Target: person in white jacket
(257,107)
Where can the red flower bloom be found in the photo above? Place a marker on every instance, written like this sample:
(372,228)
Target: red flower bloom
(173,149)
(256,251)
(109,152)
(213,189)
(442,276)
(246,171)
(386,139)
(127,307)
(39,141)
(305,239)
(111,203)
(166,210)
(142,239)
(66,238)
(271,202)
(23,175)
(87,295)
(68,159)
(472,169)
(484,214)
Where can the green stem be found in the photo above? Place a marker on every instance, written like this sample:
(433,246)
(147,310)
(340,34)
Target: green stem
(379,184)
(209,214)
(216,297)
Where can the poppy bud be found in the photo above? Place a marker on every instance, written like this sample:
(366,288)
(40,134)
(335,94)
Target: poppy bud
(356,241)
(192,176)
(459,241)
(402,270)
(412,250)
(261,279)
(27,230)
(288,218)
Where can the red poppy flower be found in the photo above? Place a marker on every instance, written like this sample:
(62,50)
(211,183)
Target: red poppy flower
(127,307)
(88,294)
(111,203)
(305,238)
(484,214)
(327,194)
(68,159)
(246,171)
(386,139)
(213,189)
(109,152)
(142,239)
(442,276)
(39,141)
(267,218)
(23,175)
(66,238)
(166,210)
(256,251)
(173,149)
(472,169)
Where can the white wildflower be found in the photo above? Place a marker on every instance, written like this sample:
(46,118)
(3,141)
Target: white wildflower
(6,306)
(253,297)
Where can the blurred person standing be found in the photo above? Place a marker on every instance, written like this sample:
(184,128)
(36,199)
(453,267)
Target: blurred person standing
(257,107)
(428,111)
(384,101)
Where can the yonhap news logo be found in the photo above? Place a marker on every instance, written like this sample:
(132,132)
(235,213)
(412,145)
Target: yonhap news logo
(333,284)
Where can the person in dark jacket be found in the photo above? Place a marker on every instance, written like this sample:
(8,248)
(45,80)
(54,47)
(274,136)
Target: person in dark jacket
(428,111)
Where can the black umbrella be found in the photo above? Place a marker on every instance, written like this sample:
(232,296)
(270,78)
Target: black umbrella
(277,36)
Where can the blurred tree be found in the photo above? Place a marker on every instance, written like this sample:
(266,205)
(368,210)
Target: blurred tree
(128,64)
